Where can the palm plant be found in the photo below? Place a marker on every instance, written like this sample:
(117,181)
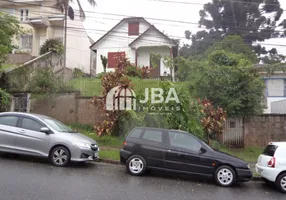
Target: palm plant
(60,4)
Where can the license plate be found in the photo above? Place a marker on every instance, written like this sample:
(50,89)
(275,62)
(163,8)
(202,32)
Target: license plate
(96,154)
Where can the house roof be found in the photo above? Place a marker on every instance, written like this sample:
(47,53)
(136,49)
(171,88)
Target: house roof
(152,27)
(123,20)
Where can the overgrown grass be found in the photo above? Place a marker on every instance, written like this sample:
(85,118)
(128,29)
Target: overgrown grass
(6,66)
(249,154)
(106,140)
(109,154)
(91,87)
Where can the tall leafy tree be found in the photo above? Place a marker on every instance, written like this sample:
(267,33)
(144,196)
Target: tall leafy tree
(225,75)
(253,20)
(61,6)
(9,27)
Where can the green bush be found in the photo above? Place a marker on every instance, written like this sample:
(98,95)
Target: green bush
(186,119)
(77,73)
(4,100)
(99,75)
(53,45)
(133,71)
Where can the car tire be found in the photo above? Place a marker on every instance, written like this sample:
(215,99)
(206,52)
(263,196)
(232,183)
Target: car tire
(136,165)
(60,156)
(281,182)
(225,176)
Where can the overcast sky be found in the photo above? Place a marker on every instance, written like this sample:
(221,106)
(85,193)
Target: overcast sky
(108,13)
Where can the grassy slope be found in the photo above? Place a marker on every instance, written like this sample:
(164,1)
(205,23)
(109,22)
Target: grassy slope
(5,66)
(91,87)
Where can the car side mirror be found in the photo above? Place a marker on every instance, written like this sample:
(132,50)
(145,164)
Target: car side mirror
(45,130)
(203,150)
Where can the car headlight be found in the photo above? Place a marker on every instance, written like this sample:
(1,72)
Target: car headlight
(248,166)
(81,144)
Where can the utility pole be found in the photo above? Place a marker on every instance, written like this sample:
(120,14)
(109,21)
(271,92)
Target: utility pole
(65,33)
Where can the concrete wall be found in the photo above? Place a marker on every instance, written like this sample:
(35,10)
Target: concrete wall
(260,130)
(68,108)
(61,107)
(21,76)
(19,58)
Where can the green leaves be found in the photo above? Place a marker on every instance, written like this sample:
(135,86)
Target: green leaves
(9,27)
(4,100)
(53,45)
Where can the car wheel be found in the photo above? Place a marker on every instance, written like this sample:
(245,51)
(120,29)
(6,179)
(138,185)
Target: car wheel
(136,165)
(281,182)
(225,176)
(60,156)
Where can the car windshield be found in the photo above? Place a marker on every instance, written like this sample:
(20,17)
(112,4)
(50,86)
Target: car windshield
(58,126)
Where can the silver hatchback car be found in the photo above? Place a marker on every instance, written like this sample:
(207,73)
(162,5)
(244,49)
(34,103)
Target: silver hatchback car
(38,135)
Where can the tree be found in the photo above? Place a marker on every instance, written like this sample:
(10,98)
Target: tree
(61,6)
(252,20)
(9,27)
(229,81)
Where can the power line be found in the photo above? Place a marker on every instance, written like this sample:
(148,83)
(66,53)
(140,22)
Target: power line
(156,19)
(209,41)
(194,3)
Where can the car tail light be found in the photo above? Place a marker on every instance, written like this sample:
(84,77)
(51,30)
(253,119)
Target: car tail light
(271,163)
(124,143)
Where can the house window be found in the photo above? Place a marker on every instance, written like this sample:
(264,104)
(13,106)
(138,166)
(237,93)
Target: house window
(26,41)
(114,58)
(24,15)
(133,28)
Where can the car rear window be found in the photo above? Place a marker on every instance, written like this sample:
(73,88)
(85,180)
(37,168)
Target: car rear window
(270,150)
(135,133)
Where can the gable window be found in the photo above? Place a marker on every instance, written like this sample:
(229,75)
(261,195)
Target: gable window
(114,58)
(24,15)
(133,28)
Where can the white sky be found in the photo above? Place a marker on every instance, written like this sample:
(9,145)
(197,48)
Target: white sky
(106,14)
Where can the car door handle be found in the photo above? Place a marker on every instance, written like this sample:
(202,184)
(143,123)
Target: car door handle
(21,131)
(178,154)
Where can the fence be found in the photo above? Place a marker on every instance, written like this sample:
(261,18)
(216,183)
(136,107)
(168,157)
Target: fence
(255,131)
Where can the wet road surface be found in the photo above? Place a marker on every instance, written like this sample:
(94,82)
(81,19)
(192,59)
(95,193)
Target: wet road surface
(25,178)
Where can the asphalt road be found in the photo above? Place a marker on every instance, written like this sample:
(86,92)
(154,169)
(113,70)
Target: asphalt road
(23,178)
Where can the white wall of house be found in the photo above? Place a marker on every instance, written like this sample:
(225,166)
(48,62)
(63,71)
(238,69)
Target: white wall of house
(152,38)
(119,37)
(143,57)
(275,90)
(78,43)
(130,54)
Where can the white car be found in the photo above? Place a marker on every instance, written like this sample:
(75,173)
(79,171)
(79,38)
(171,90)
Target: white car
(271,165)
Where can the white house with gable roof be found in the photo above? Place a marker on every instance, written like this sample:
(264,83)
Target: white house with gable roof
(136,39)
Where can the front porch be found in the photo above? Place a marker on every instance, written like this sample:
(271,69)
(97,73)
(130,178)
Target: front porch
(154,57)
